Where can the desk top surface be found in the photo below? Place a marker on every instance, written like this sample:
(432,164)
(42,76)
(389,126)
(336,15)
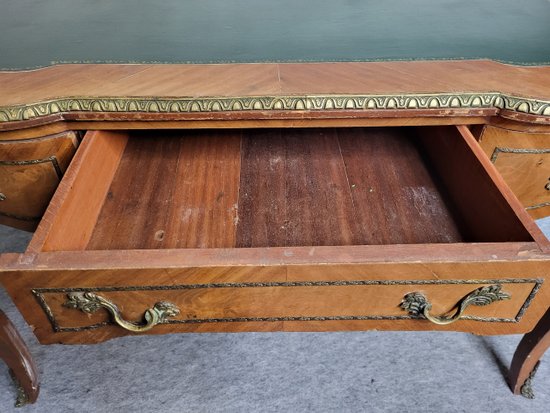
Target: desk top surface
(38,33)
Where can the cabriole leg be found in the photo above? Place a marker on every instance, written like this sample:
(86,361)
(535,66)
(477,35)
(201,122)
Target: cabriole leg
(16,355)
(526,358)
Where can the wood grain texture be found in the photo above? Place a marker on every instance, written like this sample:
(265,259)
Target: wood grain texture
(418,77)
(61,145)
(294,191)
(30,171)
(36,132)
(267,78)
(288,121)
(505,191)
(339,187)
(139,80)
(243,80)
(277,302)
(354,254)
(511,125)
(281,187)
(72,213)
(281,120)
(473,186)
(269,300)
(395,197)
(523,160)
(177,192)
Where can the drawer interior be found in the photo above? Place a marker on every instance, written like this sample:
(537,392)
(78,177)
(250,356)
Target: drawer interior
(277,188)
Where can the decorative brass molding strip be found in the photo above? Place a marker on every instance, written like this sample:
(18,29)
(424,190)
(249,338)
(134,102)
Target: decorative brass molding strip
(498,150)
(22,397)
(526,389)
(543,204)
(52,159)
(39,294)
(465,100)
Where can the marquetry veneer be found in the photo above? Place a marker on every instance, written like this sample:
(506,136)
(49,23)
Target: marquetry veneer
(30,170)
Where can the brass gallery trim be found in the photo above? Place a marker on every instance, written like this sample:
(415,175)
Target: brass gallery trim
(465,100)
(56,167)
(39,294)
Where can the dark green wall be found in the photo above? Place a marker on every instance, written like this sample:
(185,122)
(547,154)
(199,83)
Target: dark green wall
(38,32)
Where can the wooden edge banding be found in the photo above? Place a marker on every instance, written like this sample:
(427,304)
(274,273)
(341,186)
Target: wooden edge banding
(110,332)
(179,258)
(296,122)
(80,194)
(31,132)
(23,225)
(506,192)
(524,117)
(70,134)
(514,125)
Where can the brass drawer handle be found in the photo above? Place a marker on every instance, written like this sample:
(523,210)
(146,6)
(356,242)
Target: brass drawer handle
(90,303)
(3,197)
(417,304)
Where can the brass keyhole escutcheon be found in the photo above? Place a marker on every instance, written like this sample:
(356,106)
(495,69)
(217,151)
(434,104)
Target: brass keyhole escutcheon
(2,197)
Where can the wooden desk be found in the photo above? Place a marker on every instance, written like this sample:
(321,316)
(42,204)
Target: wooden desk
(283,195)
(284,204)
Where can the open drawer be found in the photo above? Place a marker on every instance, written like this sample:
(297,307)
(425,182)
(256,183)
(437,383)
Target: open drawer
(280,229)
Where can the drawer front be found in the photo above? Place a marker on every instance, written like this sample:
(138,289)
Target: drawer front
(30,171)
(523,159)
(288,301)
(275,298)
(527,173)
